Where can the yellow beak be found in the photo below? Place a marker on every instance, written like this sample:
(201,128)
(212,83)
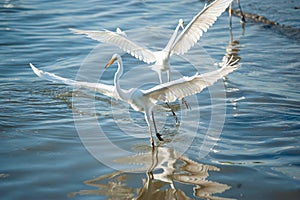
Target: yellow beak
(110,62)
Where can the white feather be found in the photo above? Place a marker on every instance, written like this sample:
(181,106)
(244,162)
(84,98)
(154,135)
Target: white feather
(186,86)
(199,24)
(108,90)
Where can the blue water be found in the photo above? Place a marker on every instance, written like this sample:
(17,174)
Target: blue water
(43,155)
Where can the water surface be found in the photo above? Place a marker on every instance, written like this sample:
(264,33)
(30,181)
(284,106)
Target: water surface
(43,157)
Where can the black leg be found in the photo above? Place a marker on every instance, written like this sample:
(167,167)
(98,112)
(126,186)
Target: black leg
(186,103)
(243,21)
(173,113)
(147,118)
(230,15)
(157,134)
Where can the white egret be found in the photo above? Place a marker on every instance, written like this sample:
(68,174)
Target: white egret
(145,100)
(120,39)
(178,44)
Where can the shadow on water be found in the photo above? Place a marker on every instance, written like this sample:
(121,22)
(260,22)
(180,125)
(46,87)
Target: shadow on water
(166,178)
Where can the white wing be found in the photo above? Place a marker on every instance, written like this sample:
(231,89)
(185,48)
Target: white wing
(186,86)
(107,90)
(120,32)
(121,41)
(199,24)
(172,39)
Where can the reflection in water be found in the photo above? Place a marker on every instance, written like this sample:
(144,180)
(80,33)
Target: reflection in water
(232,52)
(288,31)
(168,176)
(230,10)
(232,49)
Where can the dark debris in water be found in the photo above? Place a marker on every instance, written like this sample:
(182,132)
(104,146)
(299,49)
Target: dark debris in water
(254,17)
(288,31)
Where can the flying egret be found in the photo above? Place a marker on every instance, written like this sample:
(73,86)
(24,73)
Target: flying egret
(178,44)
(145,100)
(120,39)
(117,38)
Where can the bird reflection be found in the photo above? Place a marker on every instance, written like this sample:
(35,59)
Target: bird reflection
(232,52)
(168,176)
(242,16)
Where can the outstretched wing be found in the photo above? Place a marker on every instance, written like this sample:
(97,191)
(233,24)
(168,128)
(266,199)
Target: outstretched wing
(199,24)
(186,86)
(107,90)
(120,40)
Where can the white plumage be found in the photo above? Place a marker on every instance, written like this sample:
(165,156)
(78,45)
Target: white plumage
(145,100)
(178,44)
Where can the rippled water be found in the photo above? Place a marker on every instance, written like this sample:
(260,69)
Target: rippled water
(43,157)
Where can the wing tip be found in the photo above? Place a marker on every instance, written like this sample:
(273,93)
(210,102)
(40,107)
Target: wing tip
(35,70)
(230,66)
(73,30)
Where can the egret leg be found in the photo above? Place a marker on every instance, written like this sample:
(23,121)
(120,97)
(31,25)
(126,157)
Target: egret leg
(151,138)
(157,134)
(147,118)
(187,105)
(173,113)
(168,74)
(230,15)
(243,21)
(159,77)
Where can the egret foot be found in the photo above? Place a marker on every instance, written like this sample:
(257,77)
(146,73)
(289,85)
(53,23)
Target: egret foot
(158,135)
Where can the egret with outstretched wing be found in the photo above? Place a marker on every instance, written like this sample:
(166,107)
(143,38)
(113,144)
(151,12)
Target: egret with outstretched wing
(120,39)
(178,43)
(145,100)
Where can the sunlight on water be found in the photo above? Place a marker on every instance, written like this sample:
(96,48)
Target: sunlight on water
(43,155)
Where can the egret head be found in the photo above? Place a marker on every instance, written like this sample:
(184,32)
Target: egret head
(181,23)
(112,60)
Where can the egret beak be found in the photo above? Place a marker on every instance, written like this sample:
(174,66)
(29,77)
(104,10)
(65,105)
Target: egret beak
(110,62)
(182,25)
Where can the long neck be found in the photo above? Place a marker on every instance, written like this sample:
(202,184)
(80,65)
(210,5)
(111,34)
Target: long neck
(118,74)
(172,39)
